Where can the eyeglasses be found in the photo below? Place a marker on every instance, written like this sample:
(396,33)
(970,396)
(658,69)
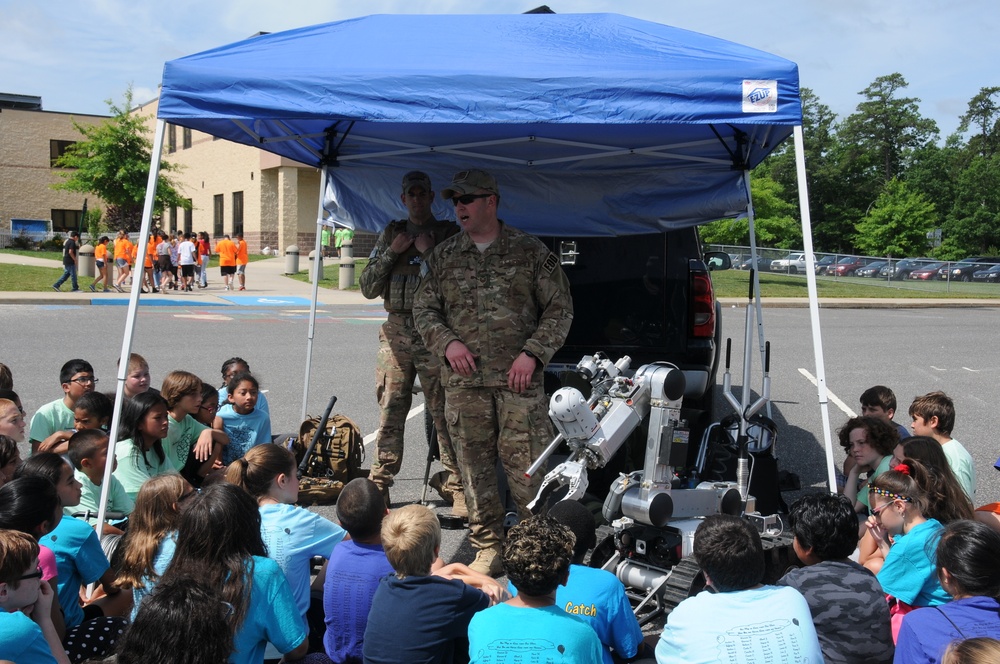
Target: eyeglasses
(877,511)
(228,609)
(467,198)
(84,380)
(208,406)
(37,574)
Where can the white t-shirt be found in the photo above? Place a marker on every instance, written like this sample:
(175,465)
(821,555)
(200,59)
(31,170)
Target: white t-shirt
(187,252)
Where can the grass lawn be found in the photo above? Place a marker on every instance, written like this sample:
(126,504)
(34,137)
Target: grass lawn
(331,273)
(735,283)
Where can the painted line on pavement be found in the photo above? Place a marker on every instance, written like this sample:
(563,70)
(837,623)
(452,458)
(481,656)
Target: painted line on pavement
(416,410)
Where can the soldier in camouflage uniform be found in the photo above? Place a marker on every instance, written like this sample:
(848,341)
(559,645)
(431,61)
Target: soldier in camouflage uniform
(393,273)
(495,304)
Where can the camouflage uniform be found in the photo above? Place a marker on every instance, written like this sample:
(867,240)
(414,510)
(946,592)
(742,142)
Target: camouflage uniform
(402,354)
(510,298)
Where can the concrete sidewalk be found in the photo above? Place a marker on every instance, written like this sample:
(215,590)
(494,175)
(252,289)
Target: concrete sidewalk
(265,281)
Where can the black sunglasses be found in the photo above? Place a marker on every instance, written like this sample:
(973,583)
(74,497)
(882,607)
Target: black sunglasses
(467,198)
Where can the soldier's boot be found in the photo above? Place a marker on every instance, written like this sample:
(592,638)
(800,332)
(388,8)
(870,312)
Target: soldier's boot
(488,561)
(437,482)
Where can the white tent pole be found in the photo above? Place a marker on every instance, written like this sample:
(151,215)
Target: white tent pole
(807,245)
(751,217)
(133,308)
(315,291)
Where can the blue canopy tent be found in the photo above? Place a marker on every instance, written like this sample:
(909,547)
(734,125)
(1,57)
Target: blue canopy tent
(593,124)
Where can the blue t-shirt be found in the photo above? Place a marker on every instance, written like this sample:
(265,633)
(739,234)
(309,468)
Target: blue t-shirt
(766,625)
(21,640)
(271,617)
(505,633)
(244,431)
(421,619)
(926,632)
(294,535)
(79,559)
(161,560)
(352,576)
(598,597)
(909,572)
(261,399)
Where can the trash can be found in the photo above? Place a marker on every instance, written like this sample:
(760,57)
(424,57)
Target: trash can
(85,265)
(315,264)
(292,259)
(345,279)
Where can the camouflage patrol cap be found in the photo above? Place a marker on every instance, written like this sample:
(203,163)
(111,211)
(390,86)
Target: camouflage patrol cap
(469,182)
(416,179)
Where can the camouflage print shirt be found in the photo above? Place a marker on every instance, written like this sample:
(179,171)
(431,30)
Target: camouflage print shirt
(396,277)
(511,297)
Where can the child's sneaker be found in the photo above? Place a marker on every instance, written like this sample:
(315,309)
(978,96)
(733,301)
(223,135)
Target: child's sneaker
(92,289)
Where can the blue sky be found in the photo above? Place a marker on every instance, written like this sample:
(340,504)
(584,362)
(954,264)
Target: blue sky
(75,54)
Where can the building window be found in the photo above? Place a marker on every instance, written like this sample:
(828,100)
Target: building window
(66,220)
(173,218)
(187,138)
(237,212)
(171,139)
(58,149)
(188,216)
(219,215)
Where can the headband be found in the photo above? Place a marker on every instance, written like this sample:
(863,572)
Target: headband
(889,495)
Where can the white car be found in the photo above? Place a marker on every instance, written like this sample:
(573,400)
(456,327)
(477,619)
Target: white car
(792,264)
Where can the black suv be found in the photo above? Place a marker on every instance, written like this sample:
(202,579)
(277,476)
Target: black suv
(646,296)
(965,268)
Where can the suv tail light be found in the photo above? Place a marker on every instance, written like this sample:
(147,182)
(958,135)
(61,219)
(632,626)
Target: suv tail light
(702,304)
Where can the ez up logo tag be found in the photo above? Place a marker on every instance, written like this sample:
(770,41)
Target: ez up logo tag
(760,96)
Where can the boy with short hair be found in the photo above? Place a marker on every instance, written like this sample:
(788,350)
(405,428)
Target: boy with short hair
(846,600)
(192,448)
(743,617)
(879,401)
(52,424)
(934,416)
(354,570)
(136,375)
(26,630)
(88,452)
(437,610)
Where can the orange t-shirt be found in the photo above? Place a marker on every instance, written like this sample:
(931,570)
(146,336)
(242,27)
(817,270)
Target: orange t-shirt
(123,249)
(151,251)
(101,252)
(227,253)
(242,255)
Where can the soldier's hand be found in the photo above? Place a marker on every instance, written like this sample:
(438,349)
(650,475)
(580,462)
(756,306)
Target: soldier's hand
(461,359)
(401,243)
(519,376)
(424,242)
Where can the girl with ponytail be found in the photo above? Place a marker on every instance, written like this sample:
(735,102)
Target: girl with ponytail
(293,535)
(907,538)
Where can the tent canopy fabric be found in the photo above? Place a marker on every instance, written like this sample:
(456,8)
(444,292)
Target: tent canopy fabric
(593,124)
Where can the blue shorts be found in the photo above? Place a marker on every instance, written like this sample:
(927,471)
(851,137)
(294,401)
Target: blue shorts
(121,263)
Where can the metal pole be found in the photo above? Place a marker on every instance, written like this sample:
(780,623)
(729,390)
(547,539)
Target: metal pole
(315,291)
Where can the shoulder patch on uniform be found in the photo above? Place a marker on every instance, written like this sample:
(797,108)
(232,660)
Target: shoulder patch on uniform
(551,263)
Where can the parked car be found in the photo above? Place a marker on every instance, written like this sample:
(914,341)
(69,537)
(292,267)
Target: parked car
(763,264)
(846,266)
(925,272)
(964,269)
(871,270)
(990,275)
(901,269)
(823,263)
(792,264)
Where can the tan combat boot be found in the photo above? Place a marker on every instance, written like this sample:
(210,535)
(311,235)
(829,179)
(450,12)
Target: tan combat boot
(458,507)
(488,561)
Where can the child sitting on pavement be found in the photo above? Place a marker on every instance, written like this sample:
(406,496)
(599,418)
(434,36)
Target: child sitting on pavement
(846,601)
(595,595)
(934,415)
(437,610)
(52,424)
(88,452)
(354,570)
(93,411)
(193,449)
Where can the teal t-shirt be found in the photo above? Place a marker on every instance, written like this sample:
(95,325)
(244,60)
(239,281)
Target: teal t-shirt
(90,497)
(53,416)
(21,639)
(134,468)
(882,467)
(181,437)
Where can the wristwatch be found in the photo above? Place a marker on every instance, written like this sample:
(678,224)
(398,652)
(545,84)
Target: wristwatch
(531,355)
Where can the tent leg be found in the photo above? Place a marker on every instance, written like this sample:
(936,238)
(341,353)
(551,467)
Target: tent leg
(756,278)
(133,310)
(824,405)
(315,293)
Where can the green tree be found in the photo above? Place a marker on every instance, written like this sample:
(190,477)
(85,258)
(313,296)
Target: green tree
(972,225)
(113,163)
(898,222)
(776,221)
(984,116)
